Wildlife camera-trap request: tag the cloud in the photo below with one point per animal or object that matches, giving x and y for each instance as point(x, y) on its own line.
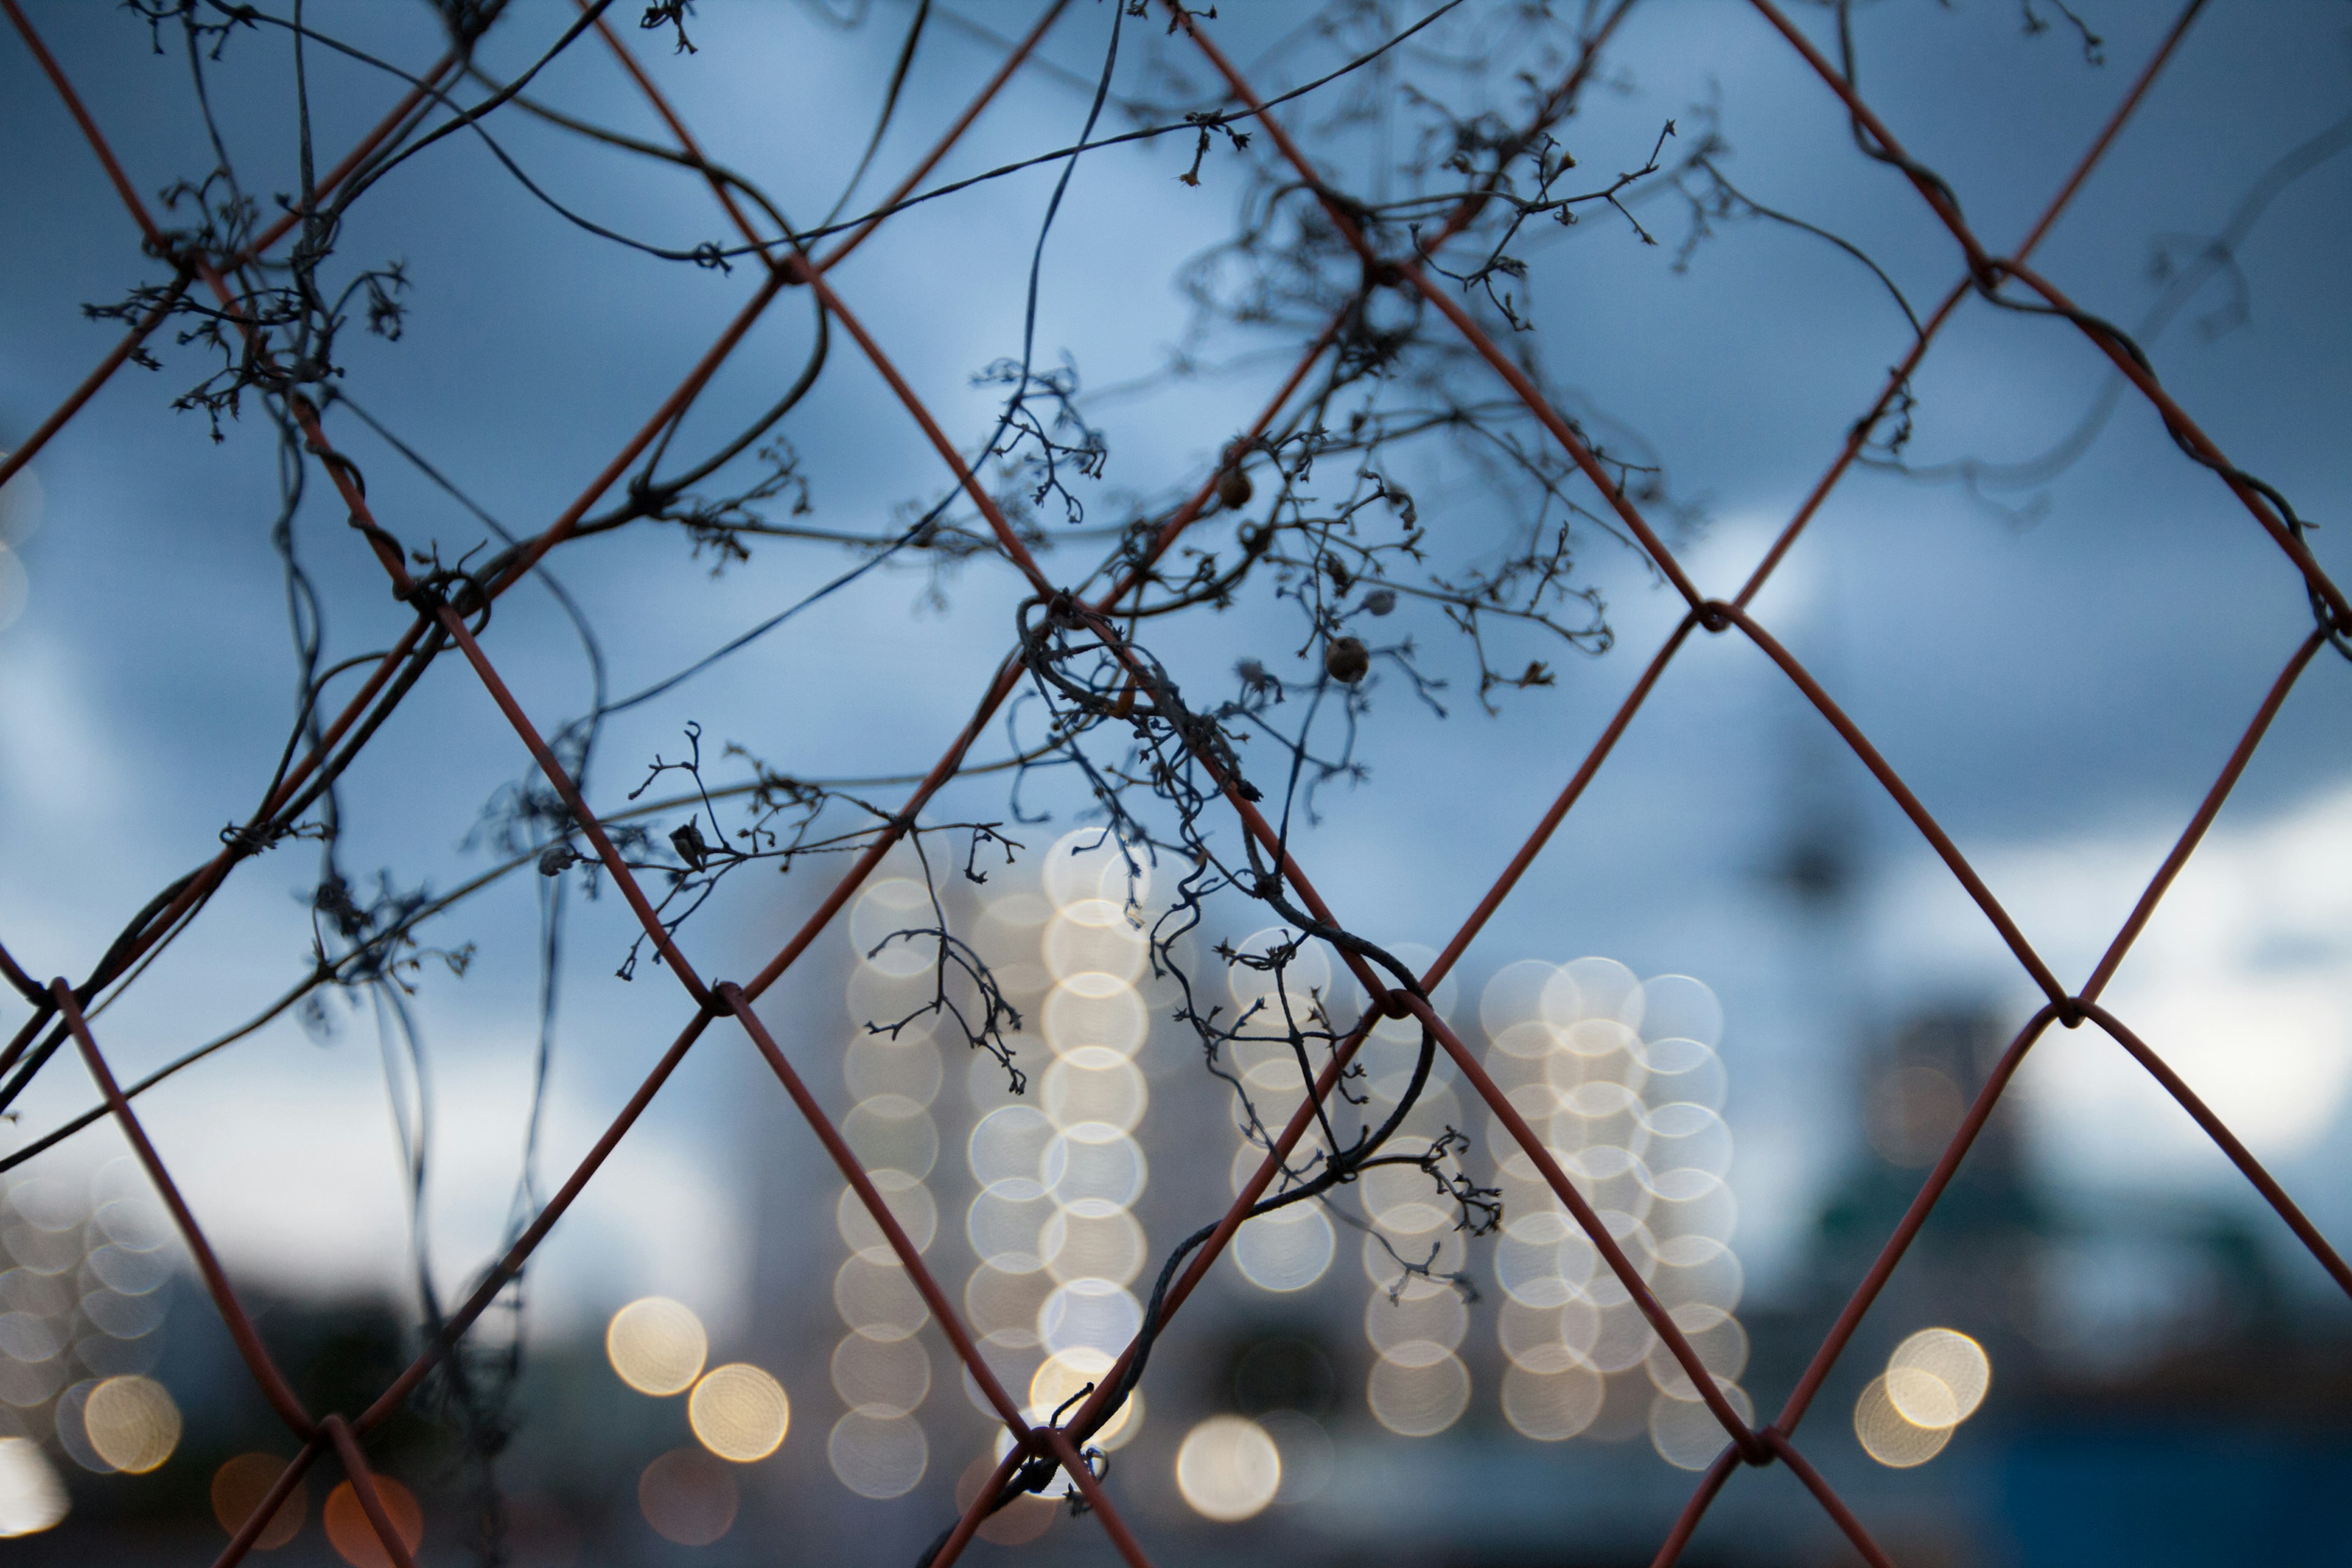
point(2241, 982)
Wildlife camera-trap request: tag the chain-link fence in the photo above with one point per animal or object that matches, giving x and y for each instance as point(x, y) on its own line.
point(1178, 802)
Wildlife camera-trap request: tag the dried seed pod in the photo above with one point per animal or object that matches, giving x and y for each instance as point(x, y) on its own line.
point(1234, 488)
point(1380, 601)
point(1347, 660)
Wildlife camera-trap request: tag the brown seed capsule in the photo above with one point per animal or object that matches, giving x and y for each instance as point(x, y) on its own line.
point(1347, 660)
point(1234, 488)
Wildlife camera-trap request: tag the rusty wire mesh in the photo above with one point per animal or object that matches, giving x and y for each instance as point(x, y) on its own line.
point(449, 606)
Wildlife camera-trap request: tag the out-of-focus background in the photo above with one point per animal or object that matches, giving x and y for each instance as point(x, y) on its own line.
point(1749, 999)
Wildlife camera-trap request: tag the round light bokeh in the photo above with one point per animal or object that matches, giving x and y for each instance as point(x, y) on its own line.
point(739, 1412)
point(656, 1345)
point(32, 1496)
point(876, 1298)
point(1887, 1437)
point(1095, 1168)
point(908, 1066)
point(1418, 1401)
point(132, 1423)
point(1306, 971)
point(1018, 1523)
point(1287, 1249)
point(908, 1203)
point(884, 908)
point(1096, 936)
point(1685, 1432)
point(1307, 1459)
point(1718, 1340)
point(1415, 1330)
point(1094, 1083)
point(1006, 1222)
point(1091, 863)
point(878, 1456)
point(881, 1377)
point(353, 1534)
point(892, 1132)
point(1064, 1376)
point(1228, 1469)
point(1093, 1246)
point(242, 1485)
point(1009, 1145)
point(1091, 1008)
point(1089, 1314)
point(1004, 1303)
point(688, 1497)
point(1549, 1340)
point(1552, 1405)
point(1937, 1377)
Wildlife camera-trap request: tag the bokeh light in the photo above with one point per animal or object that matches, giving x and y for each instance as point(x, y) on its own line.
point(908, 1066)
point(1685, 1432)
point(1094, 935)
point(1553, 1404)
point(739, 1411)
point(888, 906)
point(881, 1377)
point(1304, 1448)
point(1594, 988)
point(1094, 1009)
point(1286, 1250)
point(656, 1345)
point(1678, 1006)
point(875, 1297)
point(1007, 1224)
point(689, 1497)
point(1093, 1246)
point(242, 1485)
point(1415, 1329)
point(354, 1537)
point(1887, 1437)
point(880, 1369)
point(1091, 863)
point(1546, 1340)
point(32, 1497)
point(878, 1456)
point(1094, 1084)
point(1228, 1469)
point(1005, 1303)
point(1621, 1077)
point(1418, 1401)
point(1937, 1377)
point(1717, 1338)
point(1018, 1523)
point(1306, 971)
point(1094, 1168)
point(132, 1423)
point(892, 1132)
point(1062, 1377)
point(1009, 1145)
point(1089, 1314)
point(910, 1203)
